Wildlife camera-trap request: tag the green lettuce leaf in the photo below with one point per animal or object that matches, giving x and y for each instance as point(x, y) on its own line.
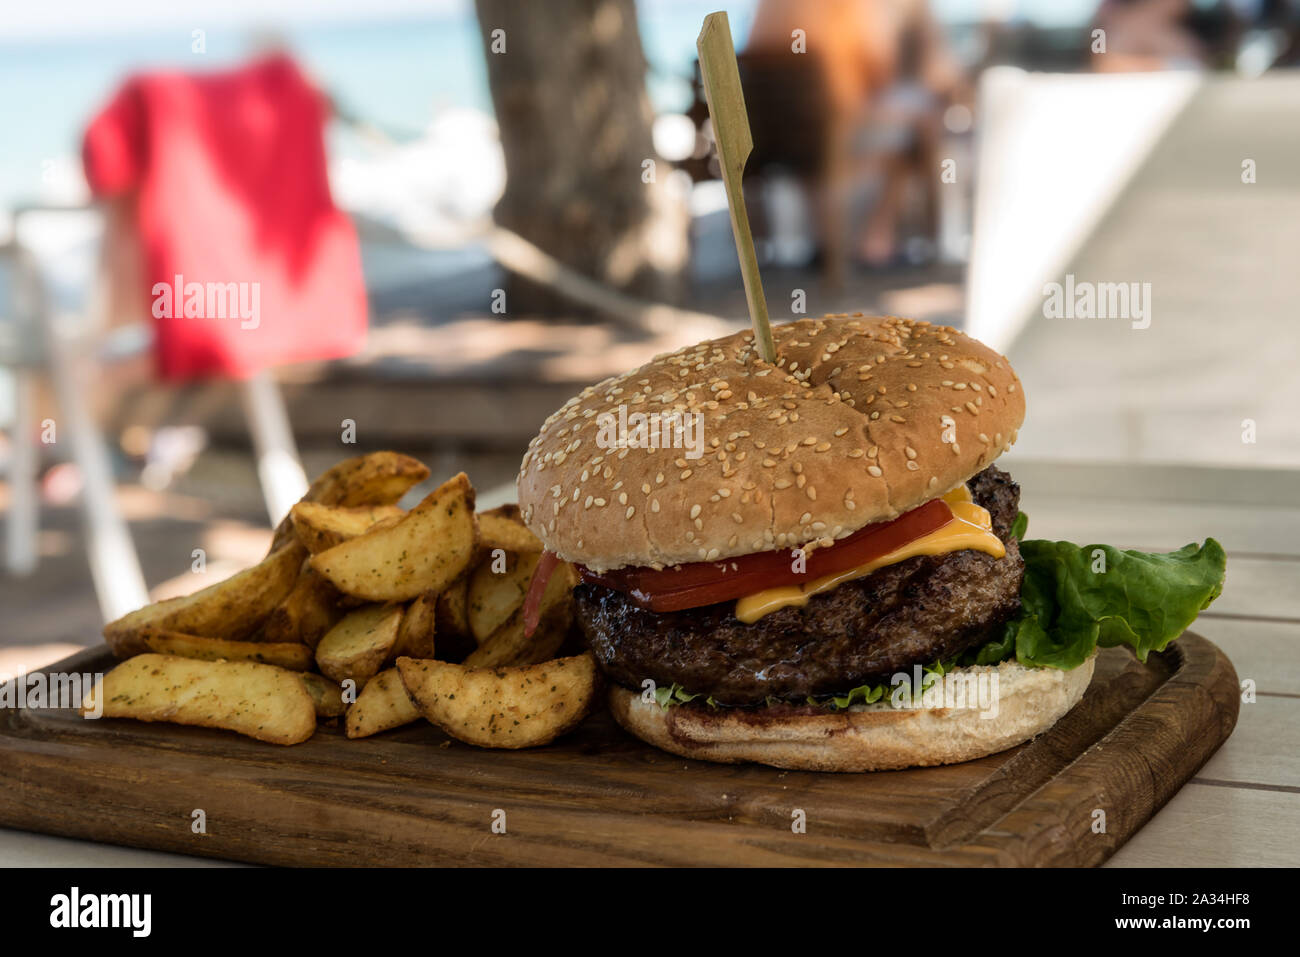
point(1020, 526)
point(1077, 598)
point(676, 694)
point(994, 652)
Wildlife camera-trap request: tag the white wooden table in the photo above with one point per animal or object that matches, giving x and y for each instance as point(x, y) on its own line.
point(1243, 807)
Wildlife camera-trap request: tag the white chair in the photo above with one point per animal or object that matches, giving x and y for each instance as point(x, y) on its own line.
point(43, 334)
point(38, 342)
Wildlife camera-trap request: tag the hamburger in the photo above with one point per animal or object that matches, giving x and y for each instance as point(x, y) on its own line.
point(779, 561)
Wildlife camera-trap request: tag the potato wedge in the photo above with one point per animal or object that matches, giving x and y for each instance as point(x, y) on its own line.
point(382, 704)
point(320, 527)
point(325, 695)
point(358, 646)
point(503, 707)
point(260, 701)
point(292, 656)
point(307, 612)
point(502, 527)
point(496, 589)
point(233, 609)
point(415, 636)
point(380, 478)
point(425, 551)
point(508, 645)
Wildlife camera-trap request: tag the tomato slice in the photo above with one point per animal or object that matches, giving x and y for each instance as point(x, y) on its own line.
point(546, 566)
point(706, 583)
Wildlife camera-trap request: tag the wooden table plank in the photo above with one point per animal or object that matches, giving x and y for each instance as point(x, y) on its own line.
point(1263, 749)
point(1208, 826)
point(1139, 524)
point(1156, 484)
point(1268, 652)
point(1260, 588)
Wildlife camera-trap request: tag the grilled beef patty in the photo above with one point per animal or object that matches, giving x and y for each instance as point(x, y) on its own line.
point(914, 612)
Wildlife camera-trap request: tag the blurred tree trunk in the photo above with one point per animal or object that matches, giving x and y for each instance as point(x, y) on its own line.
point(575, 120)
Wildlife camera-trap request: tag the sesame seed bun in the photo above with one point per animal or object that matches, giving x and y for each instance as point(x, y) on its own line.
point(860, 419)
point(875, 737)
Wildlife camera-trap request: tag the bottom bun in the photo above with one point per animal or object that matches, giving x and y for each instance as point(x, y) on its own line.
point(874, 737)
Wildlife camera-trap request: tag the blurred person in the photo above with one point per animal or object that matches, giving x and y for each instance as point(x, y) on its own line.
point(884, 75)
point(1145, 35)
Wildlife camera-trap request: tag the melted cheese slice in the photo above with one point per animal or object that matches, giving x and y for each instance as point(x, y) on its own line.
point(970, 528)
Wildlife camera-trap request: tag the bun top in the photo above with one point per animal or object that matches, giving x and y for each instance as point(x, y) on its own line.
point(709, 452)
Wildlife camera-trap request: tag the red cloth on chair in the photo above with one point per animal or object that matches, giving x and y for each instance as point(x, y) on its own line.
point(229, 170)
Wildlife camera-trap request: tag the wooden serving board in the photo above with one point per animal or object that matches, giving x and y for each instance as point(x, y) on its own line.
point(599, 797)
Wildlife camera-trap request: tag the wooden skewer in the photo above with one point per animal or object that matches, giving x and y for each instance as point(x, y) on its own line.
point(721, 76)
